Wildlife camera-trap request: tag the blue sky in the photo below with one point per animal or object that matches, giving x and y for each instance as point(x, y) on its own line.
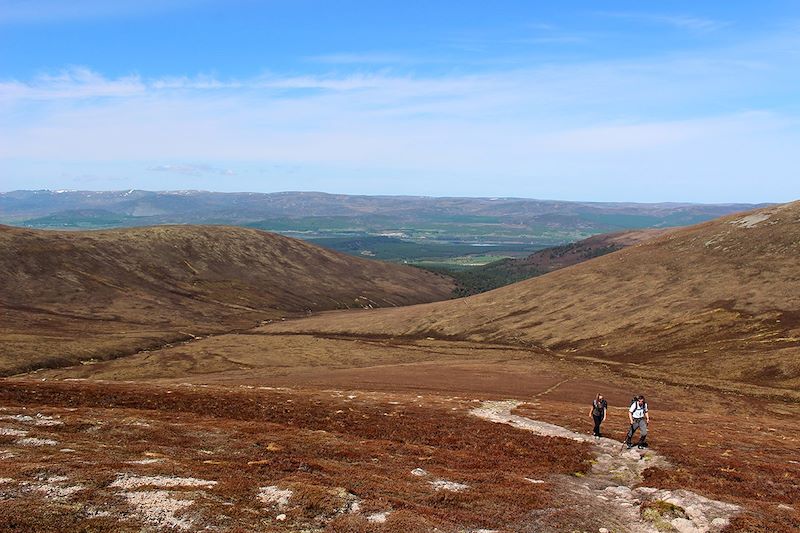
point(612, 101)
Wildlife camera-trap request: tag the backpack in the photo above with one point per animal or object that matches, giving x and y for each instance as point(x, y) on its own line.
point(635, 402)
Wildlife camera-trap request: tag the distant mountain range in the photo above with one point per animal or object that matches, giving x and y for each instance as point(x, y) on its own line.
point(314, 214)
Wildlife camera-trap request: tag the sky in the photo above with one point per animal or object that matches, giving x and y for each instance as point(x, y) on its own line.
point(573, 100)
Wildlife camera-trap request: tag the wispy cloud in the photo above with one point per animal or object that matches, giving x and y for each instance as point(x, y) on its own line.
point(71, 83)
point(192, 169)
point(695, 24)
point(683, 22)
point(556, 39)
point(714, 119)
point(371, 58)
point(546, 33)
point(77, 83)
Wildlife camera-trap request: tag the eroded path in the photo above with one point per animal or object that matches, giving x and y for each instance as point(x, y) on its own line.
point(611, 488)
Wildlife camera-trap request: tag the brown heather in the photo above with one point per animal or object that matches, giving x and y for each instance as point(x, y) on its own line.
point(343, 404)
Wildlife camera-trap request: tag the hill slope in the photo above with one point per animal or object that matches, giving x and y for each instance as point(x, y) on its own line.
point(480, 279)
point(715, 301)
point(577, 252)
point(65, 295)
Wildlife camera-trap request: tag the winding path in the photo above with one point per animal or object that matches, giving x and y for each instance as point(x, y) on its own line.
point(611, 484)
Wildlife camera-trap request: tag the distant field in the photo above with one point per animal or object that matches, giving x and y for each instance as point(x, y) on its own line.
point(424, 228)
point(471, 265)
point(461, 263)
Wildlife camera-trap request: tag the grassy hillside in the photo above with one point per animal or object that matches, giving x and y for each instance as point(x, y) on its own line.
point(355, 403)
point(478, 279)
point(719, 301)
point(71, 295)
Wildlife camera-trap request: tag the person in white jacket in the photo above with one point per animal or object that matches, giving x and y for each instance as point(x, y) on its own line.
point(639, 417)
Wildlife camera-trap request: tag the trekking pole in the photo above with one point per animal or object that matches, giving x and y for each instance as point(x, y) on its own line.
point(629, 435)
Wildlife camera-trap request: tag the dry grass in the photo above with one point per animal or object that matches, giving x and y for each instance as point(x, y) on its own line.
point(309, 360)
point(714, 304)
point(567, 255)
point(327, 448)
point(68, 296)
point(646, 319)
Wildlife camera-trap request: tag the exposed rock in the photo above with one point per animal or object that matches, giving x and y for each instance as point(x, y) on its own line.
point(144, 461)
point(378, 518)
point(452, 486)
point(684, 525)
point(158, 508)
point(33, 441)
point(275, 495)
point(38, 420)
point(613, 475)
point(620, 491)
point(131, 481)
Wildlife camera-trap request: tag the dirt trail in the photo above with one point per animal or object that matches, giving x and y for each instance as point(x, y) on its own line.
point(610, 489)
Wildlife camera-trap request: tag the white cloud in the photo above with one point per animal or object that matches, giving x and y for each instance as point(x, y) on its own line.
point(70, 84)
point(695, 24)
point(720, 118)
point(192, 169)
point(689, 23)
point(369, 58)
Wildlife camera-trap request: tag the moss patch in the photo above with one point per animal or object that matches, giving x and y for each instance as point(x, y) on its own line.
point(661, 512)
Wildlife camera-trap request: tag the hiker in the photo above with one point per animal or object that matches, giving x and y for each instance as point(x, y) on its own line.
point(639, 417)
point(598, 413)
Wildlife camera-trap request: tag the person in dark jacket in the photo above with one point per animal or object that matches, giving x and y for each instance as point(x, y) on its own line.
point(598, 413)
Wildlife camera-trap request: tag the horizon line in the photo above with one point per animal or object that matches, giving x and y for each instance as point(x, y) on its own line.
point(206, 191)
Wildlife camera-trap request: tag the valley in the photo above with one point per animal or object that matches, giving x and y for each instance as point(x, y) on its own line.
point(450, 235)
point(289, 417)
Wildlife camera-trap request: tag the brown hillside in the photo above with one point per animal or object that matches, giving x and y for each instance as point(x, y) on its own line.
point(70, 295)
point(714, 303)
point(571, 254)
point(507, 271)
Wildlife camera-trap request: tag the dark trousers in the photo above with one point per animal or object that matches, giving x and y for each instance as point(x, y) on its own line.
point(598, 419)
